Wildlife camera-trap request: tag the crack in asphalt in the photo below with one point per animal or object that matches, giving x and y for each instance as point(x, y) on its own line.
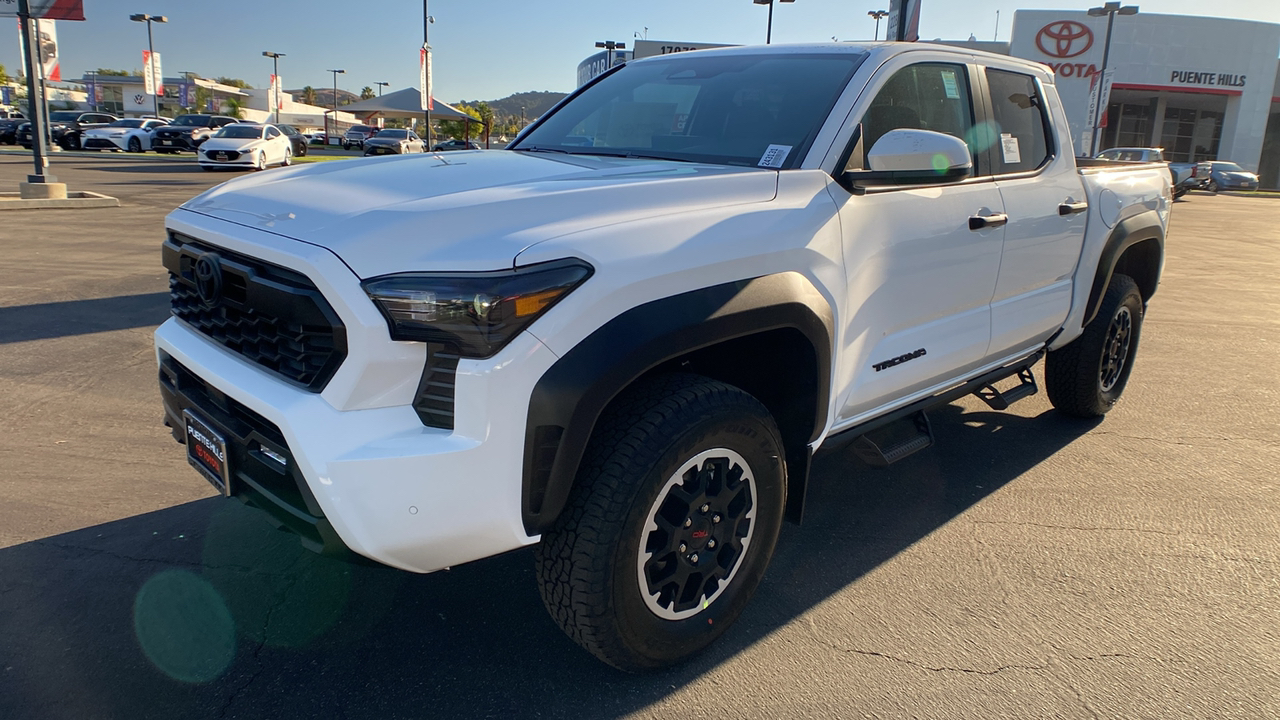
point(944, 668)
point(291, 581)
point(1180, 438)
point(1074, 527)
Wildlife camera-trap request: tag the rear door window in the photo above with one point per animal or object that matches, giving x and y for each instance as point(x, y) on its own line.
point(1022, 141)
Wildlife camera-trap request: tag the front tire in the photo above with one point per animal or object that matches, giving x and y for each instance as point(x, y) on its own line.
point(670, 526)
point(1212, 186)
point(262, 161)
point(135, 145)
point(1086, 377)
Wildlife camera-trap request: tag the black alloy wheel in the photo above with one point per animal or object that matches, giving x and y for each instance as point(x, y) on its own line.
point(1087, 376)
point(670, 525)
point(1115, 349)
point(135, 145)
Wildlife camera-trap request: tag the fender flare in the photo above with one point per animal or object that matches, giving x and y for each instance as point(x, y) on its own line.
point(1127, 233)
point(569, 398)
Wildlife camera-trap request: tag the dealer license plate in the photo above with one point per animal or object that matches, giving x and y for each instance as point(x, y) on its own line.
point(166, 142)
point(207, 452)
point(220, 156)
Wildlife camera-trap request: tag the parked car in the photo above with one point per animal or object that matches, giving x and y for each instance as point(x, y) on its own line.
point(1183, 175)
point(356, 135)
point(130, 134)
point(1229, 176)
point(456, 145)
point(394, 141)
point(66, 127)
point(629, 365)
point(246, 145)
point(296, 139)
point(9, 128)
point(188, 132)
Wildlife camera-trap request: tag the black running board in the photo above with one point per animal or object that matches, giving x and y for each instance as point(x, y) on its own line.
point(884, 446)
point(1002, 399)
point(986, 380)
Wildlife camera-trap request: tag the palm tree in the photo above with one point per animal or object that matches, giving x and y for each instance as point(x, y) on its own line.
point(309, 95)
point(366, 92)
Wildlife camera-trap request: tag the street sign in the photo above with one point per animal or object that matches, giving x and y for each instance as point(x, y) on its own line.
point(47, 9)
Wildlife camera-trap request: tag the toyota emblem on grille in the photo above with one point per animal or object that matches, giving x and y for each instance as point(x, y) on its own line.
point(209, 279)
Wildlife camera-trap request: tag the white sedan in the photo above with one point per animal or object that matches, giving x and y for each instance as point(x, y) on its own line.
point(131, 134)
point(246, 145)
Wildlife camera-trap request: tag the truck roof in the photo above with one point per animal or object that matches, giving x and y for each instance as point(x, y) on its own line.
point(879, 52)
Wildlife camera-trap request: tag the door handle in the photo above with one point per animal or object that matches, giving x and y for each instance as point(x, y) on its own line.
point(1071, 208)
point(980, 222)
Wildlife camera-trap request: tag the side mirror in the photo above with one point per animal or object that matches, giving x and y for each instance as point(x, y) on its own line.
point(913, 157)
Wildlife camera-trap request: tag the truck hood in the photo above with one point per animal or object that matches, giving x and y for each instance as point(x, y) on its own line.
point(471, 210)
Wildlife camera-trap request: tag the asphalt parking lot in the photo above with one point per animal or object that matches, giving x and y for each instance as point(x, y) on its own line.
point(1028, 566)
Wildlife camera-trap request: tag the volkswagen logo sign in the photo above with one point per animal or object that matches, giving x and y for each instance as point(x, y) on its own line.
point(209, 279)
point(1064, 39)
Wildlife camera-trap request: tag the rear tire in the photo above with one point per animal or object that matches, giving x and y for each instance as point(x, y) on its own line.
point(1212, 186)
point(1086, 377)
point(670, 526)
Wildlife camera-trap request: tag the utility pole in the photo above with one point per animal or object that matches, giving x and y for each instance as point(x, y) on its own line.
point(426, 46)
point(877, 15)
point(336, 73)
point(768, 34)
point(380, 86)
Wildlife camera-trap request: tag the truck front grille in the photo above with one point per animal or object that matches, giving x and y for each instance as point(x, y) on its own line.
point(272, 316)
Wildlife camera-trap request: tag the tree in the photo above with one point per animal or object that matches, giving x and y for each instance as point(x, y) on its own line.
point(309, 95)
point(234, 82)
point(366, 92)
point(457, 128)
point(4, 76)
point(117, 73)
point(235, 110)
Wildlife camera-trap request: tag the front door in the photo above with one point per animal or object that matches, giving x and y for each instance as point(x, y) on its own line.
point(920, 280)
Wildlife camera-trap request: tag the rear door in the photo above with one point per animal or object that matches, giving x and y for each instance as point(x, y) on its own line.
point(1045, 201)
point(919, 279)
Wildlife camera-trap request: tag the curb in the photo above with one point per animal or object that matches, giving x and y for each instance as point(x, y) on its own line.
point(75, 200)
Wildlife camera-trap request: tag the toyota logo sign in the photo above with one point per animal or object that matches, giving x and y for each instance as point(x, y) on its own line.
point(1064, 39)
point(208, 272)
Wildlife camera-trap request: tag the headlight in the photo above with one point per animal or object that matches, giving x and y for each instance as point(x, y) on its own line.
point(117, 134)
point(478, 312)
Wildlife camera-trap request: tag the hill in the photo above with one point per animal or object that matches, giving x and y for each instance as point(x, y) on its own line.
point(534, 104)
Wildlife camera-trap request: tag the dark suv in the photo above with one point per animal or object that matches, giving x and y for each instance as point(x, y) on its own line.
point(65, 127)
point(188, 132)
point(9, 127)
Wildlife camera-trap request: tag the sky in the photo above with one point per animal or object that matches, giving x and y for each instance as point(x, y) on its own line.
point(488, 49)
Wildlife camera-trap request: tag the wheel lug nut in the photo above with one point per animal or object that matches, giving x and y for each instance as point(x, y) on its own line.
point(711, 543)
point(683, 547)
point(715, 518)
point(705, 507)
point(694, 558)
point(688, 522)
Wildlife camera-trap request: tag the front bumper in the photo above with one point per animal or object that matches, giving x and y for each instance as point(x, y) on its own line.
point(363, 473)
point(182, 142)
point(382, 150)
point(100, 143)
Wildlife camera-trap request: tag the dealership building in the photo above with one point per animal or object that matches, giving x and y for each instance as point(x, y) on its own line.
point(1201, 88)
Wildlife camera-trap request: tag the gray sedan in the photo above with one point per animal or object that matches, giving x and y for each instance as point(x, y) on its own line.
point(394, 142)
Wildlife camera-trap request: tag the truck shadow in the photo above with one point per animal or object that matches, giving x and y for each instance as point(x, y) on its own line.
point(203, 610)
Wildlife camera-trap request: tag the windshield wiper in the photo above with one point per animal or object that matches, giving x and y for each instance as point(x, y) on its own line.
point(634, 156)
point(543, 149)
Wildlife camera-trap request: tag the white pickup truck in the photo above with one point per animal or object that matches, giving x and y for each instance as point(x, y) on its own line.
point(624, 338)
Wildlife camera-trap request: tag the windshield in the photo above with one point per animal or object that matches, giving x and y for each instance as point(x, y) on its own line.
point(1227, 167)
point(193, 120)
point(749, 110)
point(127, 123)
point(63, 116)
point(396, 134)
point(243, 132)
point(362, 129)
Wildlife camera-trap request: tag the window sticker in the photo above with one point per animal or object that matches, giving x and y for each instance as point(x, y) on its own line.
point(1009, 147)
point(949, 84)
point(775, 156)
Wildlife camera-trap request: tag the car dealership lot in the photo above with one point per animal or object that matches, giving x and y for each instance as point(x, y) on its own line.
point(1029, 566)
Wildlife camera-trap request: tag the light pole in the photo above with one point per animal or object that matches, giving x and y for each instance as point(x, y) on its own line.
point(611, 46)
point(1110, 9)
point(275, 69)
point(336, 73)
point(427, 20)
point(768, 34)
point(380, 86)
point(878, 15)
point(148, 19)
